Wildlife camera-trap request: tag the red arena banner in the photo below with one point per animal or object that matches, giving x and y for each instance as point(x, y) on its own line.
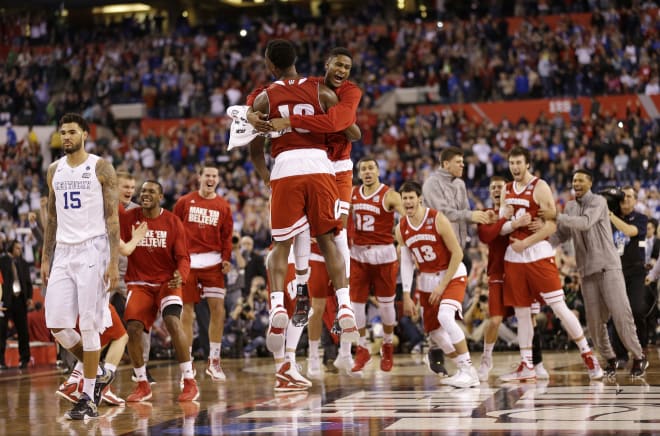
point(532, 109)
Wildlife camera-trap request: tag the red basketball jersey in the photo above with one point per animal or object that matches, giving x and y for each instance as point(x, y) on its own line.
point(372, 222)
point(426, 244)
point(300, 97)
point(522, 202)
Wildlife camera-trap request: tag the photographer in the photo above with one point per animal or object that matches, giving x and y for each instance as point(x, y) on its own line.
point(585, 221)
point(629, 236)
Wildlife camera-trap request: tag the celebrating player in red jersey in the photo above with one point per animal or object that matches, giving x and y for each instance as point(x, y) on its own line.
point(208, 224)
point(427, 239)
point(157, 269)
point(304, 192)
point(530, 272)
point(374, 263)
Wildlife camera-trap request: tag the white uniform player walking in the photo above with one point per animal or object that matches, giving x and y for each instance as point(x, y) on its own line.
point(81, 243)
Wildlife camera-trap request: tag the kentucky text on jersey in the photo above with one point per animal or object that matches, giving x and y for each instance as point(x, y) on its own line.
point(72, 184)
point(367, 207)
point(416, 238)
point(154, 239)
point(203, 216)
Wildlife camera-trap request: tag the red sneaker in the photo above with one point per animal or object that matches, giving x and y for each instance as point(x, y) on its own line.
point(362, 357)
point(190, 391)
point(69, 391)
point(142, 392)
point(386, 357)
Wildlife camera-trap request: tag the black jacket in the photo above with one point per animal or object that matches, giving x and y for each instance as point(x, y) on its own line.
point(23, 270)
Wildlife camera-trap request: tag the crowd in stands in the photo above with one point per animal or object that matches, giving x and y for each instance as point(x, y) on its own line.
point(193, 72)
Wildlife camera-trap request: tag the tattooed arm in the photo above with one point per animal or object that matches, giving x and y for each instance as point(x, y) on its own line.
point(50, 229)
point(106, 175)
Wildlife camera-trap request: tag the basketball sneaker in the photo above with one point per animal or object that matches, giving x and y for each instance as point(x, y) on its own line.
point(85, 408)
point(362, 357)
point(346, 319)
point(300, 315)
point(541, 372)
point(522, 373)
point(465, 377)
point(610, 369)
point(215, 371)
point(102, 384)
point(639, 366)
point(291, 374)
point(436, 362)
point(142, 392)
point(181, 384)
point(345, 364)
point(190, 391)
point(278, 322)
point(282, 385)
point(111, 398)
point(593, 367)
point(70, 391)
point(314, 368)
point(386, 357)
point(485, 367)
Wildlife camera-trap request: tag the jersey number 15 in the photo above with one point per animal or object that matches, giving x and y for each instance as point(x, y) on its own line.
point(72, 200)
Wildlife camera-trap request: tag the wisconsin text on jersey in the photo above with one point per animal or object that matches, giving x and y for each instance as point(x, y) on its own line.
point(203, 216)
point(367, 207)
point(422, 237)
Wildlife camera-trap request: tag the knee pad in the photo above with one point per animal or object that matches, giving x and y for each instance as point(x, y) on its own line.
point(568, 319)
point(360, 314)
point(447, 318)
point(91, 340)
point(386, 310)
point(67, 338)
point(440, 338)
point(172, 309)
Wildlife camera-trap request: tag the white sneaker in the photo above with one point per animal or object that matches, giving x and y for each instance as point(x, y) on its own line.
point(278, 320)
point(349, 330)
point(314, 368)
point(484, 368)
point(465, 377)
point(345, 364)
point(522, 373)
point(215, 370)
point(289, 372)
point(593, 367)
point(541, 372)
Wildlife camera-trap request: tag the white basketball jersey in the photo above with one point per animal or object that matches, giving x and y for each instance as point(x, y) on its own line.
point(79, 201)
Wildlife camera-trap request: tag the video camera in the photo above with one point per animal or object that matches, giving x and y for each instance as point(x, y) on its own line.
point(613, 195)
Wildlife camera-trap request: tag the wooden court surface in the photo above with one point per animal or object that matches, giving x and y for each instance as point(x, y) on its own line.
point(408, 400)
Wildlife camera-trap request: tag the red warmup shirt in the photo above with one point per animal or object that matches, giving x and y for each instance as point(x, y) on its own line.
point(490, 234)
point(207, 222)
point(162, 251)
point(338, 118)
point(426, 244)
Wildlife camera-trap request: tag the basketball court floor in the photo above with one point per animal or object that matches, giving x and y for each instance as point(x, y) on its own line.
point(407, 401)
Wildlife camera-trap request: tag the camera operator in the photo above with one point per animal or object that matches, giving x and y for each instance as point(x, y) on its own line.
point(629, 236)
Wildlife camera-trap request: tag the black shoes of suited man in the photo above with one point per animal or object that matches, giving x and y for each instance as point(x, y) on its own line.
point(23, 365)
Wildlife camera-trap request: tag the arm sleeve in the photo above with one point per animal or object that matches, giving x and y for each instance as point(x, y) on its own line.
point(338, 118)
point(226, 230)
point(584, 221)
point(407, 270)
point(181, 250)
point(489, 232)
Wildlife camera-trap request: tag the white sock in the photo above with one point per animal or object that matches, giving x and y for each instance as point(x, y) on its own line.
point(186, 369)
point(488, 350)
point(362, 342)
point(344, 349)
point(214, 352)
point(110, 367)
point(76, 374)
point(141, 373)
point(343, 297)
point(388, 338)
point(314, 349)
point(276, 299)
point(88, 387)
point(583, 345)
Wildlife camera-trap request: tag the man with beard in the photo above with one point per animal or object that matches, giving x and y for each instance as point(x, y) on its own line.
point(83, 222)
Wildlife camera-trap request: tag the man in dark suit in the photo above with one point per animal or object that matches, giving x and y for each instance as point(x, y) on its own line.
point(16, 297)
